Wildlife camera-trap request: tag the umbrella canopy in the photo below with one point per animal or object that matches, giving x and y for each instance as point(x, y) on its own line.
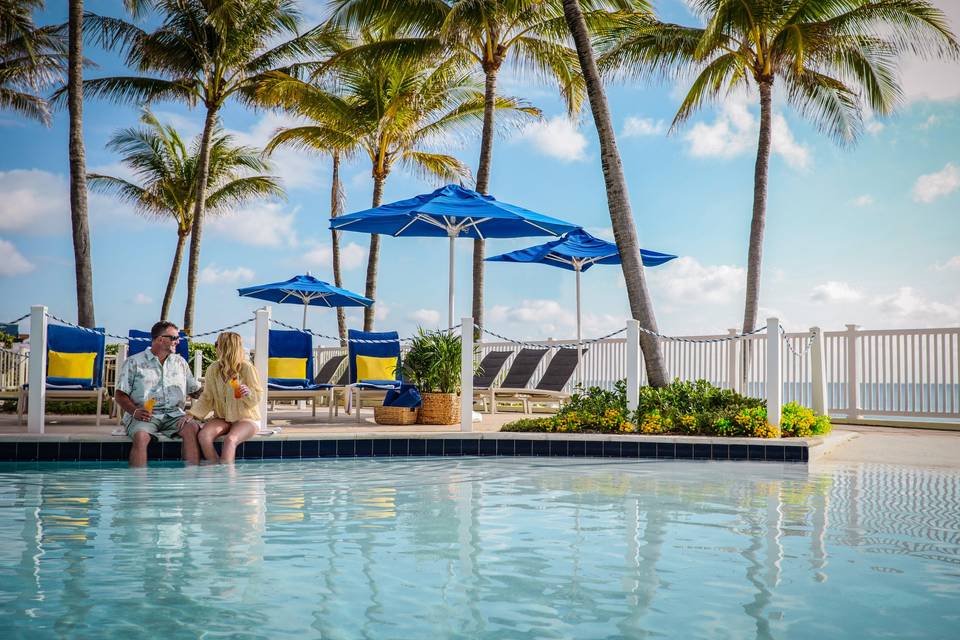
point(454, 212)
point(578, 251)
point(306, 290)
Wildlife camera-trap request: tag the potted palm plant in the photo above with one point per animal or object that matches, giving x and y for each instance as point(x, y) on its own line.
point(433, 364)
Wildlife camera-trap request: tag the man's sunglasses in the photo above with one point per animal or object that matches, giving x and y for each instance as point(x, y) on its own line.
point(171, 338)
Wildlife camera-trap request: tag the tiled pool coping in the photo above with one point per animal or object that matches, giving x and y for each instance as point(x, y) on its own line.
point(76, 448)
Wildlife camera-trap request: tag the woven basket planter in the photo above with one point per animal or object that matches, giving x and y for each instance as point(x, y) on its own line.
point(439, 408)
point(395, 415)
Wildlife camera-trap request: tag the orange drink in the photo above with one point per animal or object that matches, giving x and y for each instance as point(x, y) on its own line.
point(148, 405)
point(236, 388)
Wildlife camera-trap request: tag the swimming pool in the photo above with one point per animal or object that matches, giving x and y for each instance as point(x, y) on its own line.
point(479, 548)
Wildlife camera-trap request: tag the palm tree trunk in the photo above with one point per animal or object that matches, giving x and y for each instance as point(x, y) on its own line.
point(78, 169)
point(755, 252)
point(483, 183)
point(373, 257)
point(618, 202)
point(174, 274)
point(196, 232)
point(336, 208)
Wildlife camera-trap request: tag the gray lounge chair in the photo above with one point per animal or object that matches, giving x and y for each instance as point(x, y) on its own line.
point(490, 368)
point(551, 384)
point(517, 378)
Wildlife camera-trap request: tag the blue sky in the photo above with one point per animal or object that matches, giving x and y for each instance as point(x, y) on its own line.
point(868, 235)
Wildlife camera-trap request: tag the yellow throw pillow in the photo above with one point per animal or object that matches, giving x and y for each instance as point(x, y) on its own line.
point(78, 366)
point(373, 368)
point(287, 368)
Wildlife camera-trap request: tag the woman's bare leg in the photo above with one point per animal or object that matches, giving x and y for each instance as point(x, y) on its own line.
point(210, 432)
point(239, 431)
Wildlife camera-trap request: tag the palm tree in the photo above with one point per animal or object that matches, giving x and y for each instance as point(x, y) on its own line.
point(31, 58)
point(523, 33)
point(833, 57)
point(618, 200)
point(166, 169)
point(394, 106)
point(205, 51)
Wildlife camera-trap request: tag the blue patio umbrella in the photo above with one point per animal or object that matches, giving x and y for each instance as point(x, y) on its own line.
point(306, 290)
point(578, 251)
point(453, 212)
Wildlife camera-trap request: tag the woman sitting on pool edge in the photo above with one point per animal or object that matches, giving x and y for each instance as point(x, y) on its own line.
point(232, 391)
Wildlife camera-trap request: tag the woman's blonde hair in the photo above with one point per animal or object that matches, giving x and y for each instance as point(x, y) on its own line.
point(230, 354)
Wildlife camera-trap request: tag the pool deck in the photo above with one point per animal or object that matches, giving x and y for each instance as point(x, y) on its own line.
point(847, 444)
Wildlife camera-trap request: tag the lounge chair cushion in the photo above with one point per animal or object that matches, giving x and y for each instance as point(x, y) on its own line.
point(71, 366)
point(287, 368)
point(375, 368)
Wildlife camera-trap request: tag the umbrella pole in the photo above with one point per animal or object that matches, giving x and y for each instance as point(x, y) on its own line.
point(450, 286)
point(576, 268)
point(305, 305)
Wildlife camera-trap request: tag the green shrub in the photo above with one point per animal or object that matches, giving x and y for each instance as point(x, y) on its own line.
point(685, 408)
point(208, 350)
point(797, 421)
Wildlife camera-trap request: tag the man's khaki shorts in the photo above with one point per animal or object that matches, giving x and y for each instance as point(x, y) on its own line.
point(165, 425)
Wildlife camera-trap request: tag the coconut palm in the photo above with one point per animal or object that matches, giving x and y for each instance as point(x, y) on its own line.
point(31, 58)
point(618, 200)
point(529, 35)
point(166, 169)
point(395, 107)
point(834, 59)
point(204, 51)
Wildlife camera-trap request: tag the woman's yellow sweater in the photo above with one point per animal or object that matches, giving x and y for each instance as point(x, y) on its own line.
point(217, 396)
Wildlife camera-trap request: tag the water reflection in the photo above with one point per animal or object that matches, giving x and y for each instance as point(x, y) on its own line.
point(479, 548)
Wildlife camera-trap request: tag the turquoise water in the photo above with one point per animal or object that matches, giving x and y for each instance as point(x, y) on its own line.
point(479, 548)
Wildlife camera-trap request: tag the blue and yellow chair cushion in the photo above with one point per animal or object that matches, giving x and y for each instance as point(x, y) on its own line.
point(374, 364)
point(290, 360)
point(75, 357)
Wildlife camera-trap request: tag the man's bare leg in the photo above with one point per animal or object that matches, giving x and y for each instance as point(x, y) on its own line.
point(138, 451)
point(191, 448)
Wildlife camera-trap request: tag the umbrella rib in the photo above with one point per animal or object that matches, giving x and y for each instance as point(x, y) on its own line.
point(534, 224)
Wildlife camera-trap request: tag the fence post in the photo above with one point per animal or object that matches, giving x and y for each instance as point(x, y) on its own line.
point(732, 361)
point(197, 364)
point(633, 365)
point(773, 386)
point(466, 374)
point(261, 354)
point(853, 385)
point(37, 395)
point(818, 372)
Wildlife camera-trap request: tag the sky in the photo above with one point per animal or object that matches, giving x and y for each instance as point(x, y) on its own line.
point(867, 235)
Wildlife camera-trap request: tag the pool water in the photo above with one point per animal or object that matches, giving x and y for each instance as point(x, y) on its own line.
point(479, 548)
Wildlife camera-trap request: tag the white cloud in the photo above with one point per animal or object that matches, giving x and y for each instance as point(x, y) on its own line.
point(933, 79)
point(538, 319)
point(929, 123)
point(263, 224)
point(907, 306)
point(212, 274)
point(686, 280)
point(381, 311)
point(428, 318)
point(142, 298)
point(931, 186)
point(871, 124)
point(953, 264)
point(602, 232)
point(352, 255)
point(297, 168)
point(635, 127)
point(834, 291)
point(557, 137)
point(735, 132)
point(13, 262)
point(863, 201)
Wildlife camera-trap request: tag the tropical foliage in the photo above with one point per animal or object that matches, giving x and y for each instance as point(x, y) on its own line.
point(433, 362)
point(835, 59)
point(166, 169)
point(31, 59)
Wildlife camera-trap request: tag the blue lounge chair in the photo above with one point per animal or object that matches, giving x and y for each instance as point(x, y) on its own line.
point(74, 367)
point(290, 369)
point(374, 366)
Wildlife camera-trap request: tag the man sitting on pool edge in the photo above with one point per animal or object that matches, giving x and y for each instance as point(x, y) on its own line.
point(152, 388)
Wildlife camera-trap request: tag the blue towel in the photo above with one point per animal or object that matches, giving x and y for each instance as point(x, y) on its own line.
point(406, 396)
